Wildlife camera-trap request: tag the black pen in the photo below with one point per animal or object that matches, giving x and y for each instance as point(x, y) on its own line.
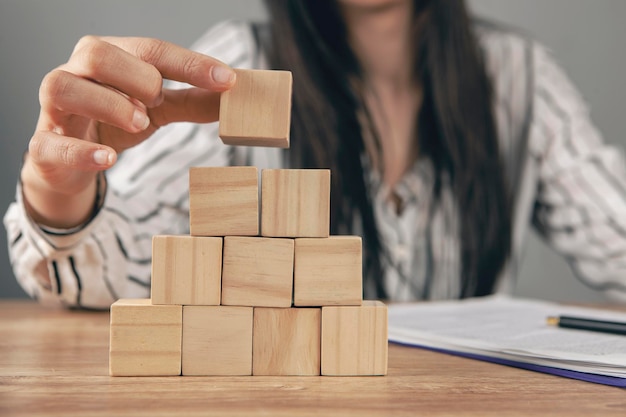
point(578, 323)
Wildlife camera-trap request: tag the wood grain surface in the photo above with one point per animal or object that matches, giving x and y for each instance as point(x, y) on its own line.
point(328, 271)
point(145, 338)
point(354, 339)
point(223, 201)
point(295, 202)
point(257, 271)
point(186, 270)
point(55, 363)
point(256, 111)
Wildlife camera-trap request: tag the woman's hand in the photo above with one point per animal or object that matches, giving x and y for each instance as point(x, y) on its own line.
point(107, 98)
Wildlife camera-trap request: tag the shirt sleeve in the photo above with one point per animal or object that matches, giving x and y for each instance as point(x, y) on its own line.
point(581, 198)
point(147, 193)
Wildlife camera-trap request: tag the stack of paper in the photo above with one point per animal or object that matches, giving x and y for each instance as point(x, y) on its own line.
point(514, 332)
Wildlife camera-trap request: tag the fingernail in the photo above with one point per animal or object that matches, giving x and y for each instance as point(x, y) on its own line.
point(140, 120)
point(223, 75)
point(159, 100)
point(103, 157)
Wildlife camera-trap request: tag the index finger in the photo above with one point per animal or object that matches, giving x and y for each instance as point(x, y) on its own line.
point(177, 63)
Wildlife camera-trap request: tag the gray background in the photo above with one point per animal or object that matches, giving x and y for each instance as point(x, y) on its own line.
point(587, 37)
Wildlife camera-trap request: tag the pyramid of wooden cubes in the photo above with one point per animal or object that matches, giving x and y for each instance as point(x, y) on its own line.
point(258, 287)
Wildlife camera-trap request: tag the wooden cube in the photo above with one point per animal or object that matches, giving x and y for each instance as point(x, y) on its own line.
point(224, 201)
point(145, 339)
point(186, 270)
point(328, 271)
point(256, 111)
point(286, 341)
point(257, 271)
point(217, 340)
point(354, 339)
point(295, 202)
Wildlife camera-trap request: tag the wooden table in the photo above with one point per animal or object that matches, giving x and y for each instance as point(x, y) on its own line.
point(56, 363)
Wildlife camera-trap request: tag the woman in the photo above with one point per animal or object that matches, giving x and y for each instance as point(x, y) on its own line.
point(446, 139)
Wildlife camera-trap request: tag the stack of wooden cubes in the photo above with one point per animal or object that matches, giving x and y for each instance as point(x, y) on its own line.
point(235, 299)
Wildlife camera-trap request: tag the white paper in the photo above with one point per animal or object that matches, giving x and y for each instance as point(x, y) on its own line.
point(512, 329)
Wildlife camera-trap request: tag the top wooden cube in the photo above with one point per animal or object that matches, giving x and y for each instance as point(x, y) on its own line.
point(224, 201)
point(256, 111)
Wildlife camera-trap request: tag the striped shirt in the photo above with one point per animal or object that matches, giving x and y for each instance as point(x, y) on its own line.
point(567, 183)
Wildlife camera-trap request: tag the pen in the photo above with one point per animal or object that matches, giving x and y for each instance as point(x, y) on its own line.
point(579, 323)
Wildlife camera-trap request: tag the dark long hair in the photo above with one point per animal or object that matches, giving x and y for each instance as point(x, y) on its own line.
point(456, 127)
